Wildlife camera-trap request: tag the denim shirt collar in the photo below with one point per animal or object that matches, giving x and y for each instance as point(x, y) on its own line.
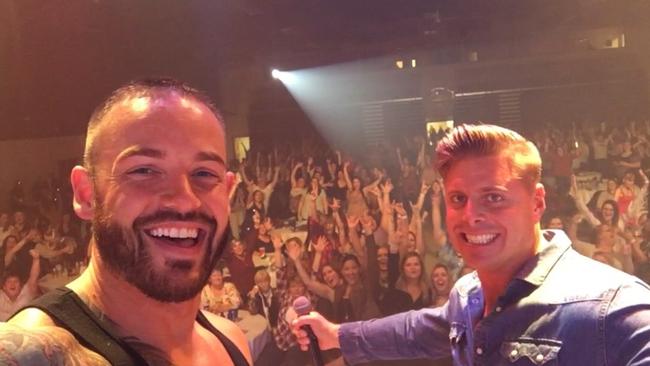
point(553, 243)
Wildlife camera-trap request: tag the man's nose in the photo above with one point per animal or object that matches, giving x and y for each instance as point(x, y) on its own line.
point(474, 213)
point(180, 195)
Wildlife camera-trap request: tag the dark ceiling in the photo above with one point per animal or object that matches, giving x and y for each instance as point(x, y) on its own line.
point(59, 58)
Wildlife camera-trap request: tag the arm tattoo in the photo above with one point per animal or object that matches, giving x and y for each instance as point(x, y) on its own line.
point(45, 345)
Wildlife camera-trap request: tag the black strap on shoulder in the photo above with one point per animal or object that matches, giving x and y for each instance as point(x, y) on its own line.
point(69, 311)
point(235, 354)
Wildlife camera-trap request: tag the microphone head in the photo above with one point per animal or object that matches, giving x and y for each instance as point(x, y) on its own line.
point(302, 305)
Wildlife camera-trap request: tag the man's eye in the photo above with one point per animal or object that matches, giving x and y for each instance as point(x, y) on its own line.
point(204, 173)
point(457, 198)
point(494, 198)
point(142, 171)
point(207, 177)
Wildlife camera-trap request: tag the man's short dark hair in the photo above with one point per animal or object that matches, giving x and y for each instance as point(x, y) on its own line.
point(147, 87)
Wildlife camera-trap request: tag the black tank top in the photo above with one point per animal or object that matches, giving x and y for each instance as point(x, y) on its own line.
point(70, 312)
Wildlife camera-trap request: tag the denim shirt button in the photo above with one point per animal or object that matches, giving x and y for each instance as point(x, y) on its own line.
point(474, 301)
point(539, 357)
point(498, 309)
point(479, 351)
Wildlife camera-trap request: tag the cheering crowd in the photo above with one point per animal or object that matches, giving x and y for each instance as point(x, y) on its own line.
point(363, 237)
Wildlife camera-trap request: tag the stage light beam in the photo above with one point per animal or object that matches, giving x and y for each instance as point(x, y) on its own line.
point(286, 77)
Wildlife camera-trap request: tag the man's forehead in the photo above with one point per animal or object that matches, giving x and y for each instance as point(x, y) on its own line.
point(139, 106)
point(146, 123)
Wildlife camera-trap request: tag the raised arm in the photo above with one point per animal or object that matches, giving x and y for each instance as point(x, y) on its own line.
point(336, 214)
point(399, 158)
point(310, 166)
point(312, 284)
point(439, 234)
point(355, 240)
point(346, 175)
point(269, 171)
point(373, 185)
point(242, 172)
point(580, 204)
point(34, 272)
point(276, 172)
point(293, 174)
point(386, 208)
point(278, 258)
point(11, 253)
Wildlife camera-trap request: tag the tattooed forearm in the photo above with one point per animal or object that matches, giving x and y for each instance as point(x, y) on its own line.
point(46, 345)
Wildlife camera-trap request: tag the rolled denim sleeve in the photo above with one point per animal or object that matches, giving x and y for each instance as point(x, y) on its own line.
point(627, 326)
point(414, 334)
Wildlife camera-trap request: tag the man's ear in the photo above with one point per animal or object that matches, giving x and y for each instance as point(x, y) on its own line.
point(83, 194)
point(540, 201)
point(230, 181)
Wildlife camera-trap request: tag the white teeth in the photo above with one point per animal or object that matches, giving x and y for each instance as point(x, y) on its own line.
point(480, 239)
point(182, 233)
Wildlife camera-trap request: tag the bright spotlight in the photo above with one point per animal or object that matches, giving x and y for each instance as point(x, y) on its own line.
point(286, 77)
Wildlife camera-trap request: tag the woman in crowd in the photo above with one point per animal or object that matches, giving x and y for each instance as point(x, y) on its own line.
point(218, 296)
point(356, 201)
point(625, 193)
point(601, 196)
point(440, 285)
point(607, 214)
point(298, 189)
point(238, 260)
point(352, 297)
point(261, 296)
point(313, 202)
point(412, 281)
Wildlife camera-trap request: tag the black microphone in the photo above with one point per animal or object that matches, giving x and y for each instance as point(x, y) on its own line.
point(302, 306)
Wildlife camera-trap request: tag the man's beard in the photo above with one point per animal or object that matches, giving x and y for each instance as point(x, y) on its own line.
point(127, 255)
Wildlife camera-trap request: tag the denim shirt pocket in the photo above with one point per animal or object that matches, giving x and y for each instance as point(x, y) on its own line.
point(537, 351)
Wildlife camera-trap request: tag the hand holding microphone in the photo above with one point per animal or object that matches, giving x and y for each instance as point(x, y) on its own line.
point(313, 331)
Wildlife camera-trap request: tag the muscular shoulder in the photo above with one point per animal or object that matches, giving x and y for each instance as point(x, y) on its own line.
point(33, 339)
point(232, 331)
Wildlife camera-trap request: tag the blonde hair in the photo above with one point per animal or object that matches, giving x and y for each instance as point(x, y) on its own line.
point(261, 275)
point(490, 140)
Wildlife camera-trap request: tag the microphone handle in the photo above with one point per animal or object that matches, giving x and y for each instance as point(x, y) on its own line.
point(314, 348)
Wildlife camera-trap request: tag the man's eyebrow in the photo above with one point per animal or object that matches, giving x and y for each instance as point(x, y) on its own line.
point(499, 188)
point(210, 156)
point(141, 151)
point(159, 154)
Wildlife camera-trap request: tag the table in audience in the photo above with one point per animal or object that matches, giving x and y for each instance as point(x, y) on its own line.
point(256, 329)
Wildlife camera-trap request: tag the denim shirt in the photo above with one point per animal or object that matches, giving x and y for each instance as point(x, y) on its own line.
point(561, 309)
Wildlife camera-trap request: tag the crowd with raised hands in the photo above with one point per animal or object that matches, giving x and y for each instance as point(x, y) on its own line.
point(597, 175)
point(365, 237)
point(38, 238)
